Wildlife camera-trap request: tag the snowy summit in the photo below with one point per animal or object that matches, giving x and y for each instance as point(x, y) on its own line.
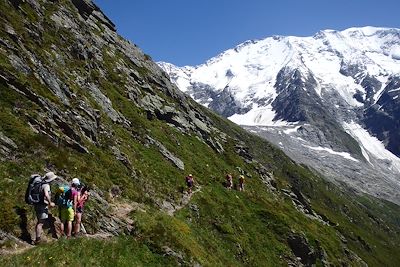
point(249, 71)
point(336, 93)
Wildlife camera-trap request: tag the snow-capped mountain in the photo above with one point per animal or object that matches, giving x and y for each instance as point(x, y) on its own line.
point(330, 100)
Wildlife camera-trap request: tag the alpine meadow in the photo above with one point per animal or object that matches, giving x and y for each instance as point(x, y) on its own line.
point(78, 100)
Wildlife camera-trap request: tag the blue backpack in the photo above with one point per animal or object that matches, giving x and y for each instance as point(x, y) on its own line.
point(64, 197)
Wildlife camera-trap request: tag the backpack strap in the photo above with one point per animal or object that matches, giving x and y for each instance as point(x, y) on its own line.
point(42, 191)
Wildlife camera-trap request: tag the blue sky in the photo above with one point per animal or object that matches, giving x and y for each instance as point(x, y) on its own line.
point(188, 32)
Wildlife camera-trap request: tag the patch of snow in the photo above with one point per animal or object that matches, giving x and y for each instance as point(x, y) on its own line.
point(395, 52)
point(301, 139)
point(367, 30)
point(291, 130)
point(342, 154)
point(258, 116)
point(372, 144)
point(378, 94)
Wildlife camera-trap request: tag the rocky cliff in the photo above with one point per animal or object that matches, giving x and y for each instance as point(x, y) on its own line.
point(79, 100)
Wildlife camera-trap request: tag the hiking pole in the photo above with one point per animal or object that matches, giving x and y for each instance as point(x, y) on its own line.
point(83, 228)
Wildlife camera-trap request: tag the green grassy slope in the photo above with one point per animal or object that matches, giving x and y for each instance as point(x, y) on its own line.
point(217, 227)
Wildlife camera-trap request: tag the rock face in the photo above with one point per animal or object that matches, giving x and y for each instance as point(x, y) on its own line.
point(74, 87)
point(383, 118)
point(341, 88)
point(7, 147)
point(178, 163)
point(79, 118)
point(302, 249)
point(87, 8)
point(77, 99)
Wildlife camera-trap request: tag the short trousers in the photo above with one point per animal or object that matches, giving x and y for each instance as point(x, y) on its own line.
point(79, 209)
point(67, 214)
point(42, 211)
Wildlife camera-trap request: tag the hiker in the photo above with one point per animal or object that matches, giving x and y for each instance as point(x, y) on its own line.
point(189, 182)
point(83, 195)
point(68, 201)
point(229, 181)
point(42, 207)
point(241, 183)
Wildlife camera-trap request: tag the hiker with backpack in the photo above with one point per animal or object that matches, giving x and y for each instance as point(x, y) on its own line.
point(241, 183)
point(38, 194)
point(190, 183)
point(83, 196)
point(67, 201)
point(229, 181)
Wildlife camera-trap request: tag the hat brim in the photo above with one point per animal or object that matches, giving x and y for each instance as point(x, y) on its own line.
point(50, 179)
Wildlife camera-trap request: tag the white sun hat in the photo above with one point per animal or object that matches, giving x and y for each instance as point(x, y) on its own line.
point(76, 181)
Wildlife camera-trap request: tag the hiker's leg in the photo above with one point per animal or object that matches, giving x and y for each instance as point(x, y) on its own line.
point(39, 229)
point(69, 228)
point(62, 228)
point(77, 225)
point(69, 222)
point(63, 219)
point(51, 222)
point(41, 215)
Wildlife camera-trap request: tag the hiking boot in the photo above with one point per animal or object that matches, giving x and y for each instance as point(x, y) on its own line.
point(79, 234)
point(37, 241)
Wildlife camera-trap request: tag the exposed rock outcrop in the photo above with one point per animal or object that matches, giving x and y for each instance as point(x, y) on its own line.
point(167, 154)
point(7, 147)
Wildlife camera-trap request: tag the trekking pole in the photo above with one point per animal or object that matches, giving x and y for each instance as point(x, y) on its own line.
point(83, 228)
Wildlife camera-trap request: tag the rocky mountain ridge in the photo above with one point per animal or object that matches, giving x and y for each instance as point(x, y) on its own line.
point(335, 91)
point(79, 100)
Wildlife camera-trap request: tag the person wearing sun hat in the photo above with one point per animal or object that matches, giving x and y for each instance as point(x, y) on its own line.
point(42, 208)
point(241, 183)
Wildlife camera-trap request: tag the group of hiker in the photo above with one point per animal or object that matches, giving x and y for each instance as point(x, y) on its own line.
point(70, 200)
point(228, 184)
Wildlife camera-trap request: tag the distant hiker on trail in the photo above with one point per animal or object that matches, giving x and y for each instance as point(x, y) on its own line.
point(83, 196)
point(229, 181)
point(189, 182)
point(67, 200)
point(38, 194)
point(241, 183)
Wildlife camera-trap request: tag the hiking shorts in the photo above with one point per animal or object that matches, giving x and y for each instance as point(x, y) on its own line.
point(79, 209)
point(42, 211)
point(67, 214)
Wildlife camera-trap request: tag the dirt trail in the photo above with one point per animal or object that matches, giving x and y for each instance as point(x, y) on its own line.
point(171, 208)
point(120, 210)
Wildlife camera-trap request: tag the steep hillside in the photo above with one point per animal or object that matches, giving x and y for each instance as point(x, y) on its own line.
point(334, 95)
point(77, 99)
